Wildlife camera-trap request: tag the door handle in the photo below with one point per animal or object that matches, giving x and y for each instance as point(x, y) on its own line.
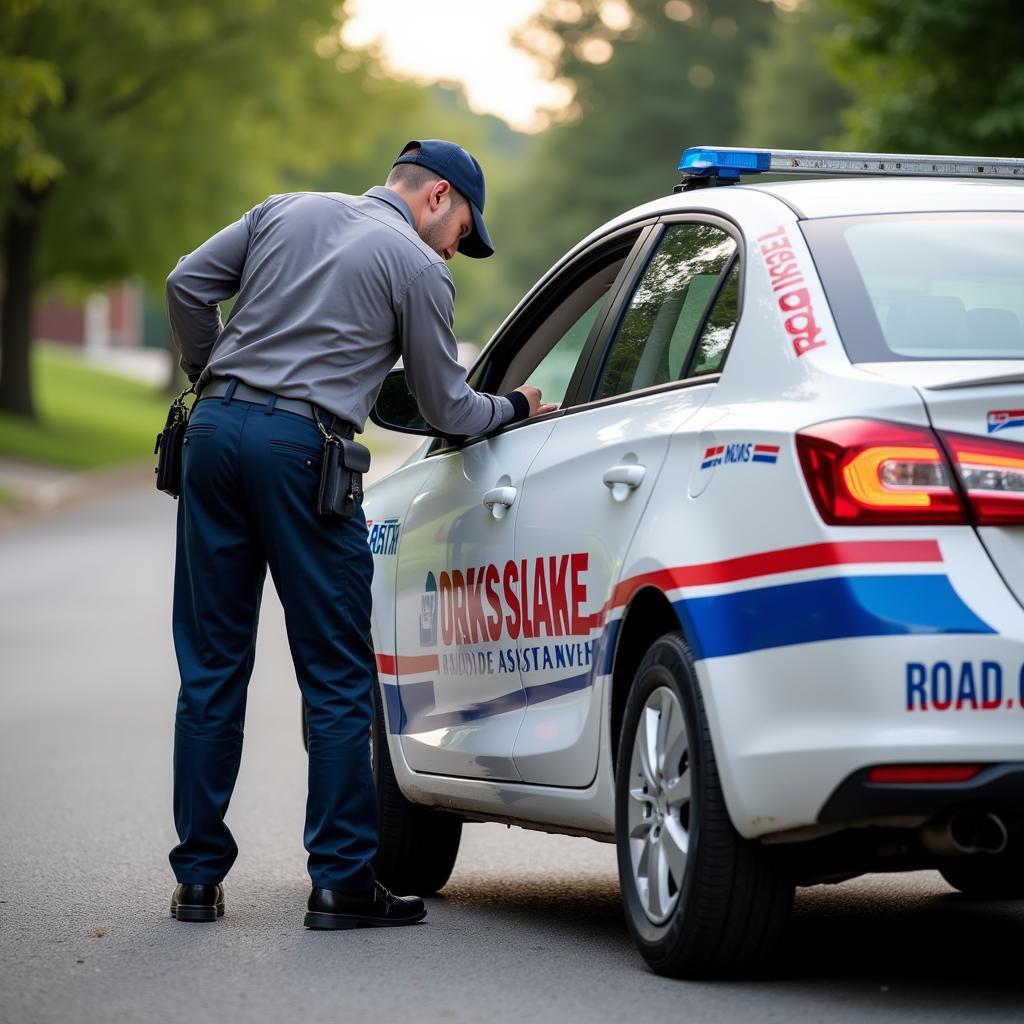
point(499, 500)
point(621, 480)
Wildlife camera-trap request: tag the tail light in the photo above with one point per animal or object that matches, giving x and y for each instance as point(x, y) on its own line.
point(992, 476)
point(868, 472)
point(894, 774)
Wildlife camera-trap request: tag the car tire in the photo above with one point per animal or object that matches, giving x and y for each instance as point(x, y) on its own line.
point(989, 876)
point(700, 900)
point(418, 845)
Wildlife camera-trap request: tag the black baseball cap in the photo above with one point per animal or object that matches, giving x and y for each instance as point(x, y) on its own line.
point(461, 168)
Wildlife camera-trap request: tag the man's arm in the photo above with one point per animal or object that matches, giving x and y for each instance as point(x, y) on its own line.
point(197, 284)
point(437, 381)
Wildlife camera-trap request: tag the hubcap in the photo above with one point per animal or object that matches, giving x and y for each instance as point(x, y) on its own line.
point(659, 810)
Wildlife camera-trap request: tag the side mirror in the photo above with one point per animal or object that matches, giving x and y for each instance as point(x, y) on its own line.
point(396, 409)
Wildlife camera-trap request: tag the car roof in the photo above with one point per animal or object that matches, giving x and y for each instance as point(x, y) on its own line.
point(845, 197)
point(812, 198)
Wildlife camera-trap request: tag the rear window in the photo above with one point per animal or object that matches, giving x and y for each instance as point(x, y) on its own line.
point(924, 285)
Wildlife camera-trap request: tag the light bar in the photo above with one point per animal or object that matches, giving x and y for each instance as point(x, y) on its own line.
point(725, 162)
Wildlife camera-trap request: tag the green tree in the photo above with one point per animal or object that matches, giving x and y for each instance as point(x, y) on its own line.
point(792, 98)
point(934, 76)
point(441, 111)
point(649, 78)
point(131, 129)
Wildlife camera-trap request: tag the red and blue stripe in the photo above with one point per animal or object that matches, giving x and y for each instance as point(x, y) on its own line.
point(740, 621)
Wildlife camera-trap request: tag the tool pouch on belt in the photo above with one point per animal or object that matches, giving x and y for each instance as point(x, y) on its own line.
point(341, 479)
point(168, 446)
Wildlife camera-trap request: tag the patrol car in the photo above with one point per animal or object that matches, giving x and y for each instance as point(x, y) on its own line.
point(749, 603)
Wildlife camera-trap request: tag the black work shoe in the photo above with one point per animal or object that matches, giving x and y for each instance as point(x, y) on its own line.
point(374, 908)
point(197, 902)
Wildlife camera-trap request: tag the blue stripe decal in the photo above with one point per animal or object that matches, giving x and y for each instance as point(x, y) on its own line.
point(736, 623)
point(558, 688)
point(411, 705)
point(830, 609)
point(416, 702)
point(605, 652)
point(393, 702)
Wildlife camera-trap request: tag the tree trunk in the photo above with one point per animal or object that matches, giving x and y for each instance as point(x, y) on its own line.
point(20, 245)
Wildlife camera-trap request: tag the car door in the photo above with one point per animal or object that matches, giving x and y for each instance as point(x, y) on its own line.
point(589, 485)
point(459, 596)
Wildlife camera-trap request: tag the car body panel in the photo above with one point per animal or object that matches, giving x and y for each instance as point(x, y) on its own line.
point(819, 649)
point(458, 717)
point(568, 512)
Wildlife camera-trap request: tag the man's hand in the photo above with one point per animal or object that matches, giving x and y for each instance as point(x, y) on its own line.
point(537, 407)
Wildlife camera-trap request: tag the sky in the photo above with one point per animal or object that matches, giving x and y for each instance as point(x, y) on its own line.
point(465, 41)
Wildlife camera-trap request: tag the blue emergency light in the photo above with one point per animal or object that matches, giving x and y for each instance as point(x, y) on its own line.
point(723, 165)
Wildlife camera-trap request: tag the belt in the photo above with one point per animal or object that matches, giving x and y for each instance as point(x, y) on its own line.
point(219, 386)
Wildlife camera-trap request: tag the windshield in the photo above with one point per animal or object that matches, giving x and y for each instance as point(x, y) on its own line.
point(924, 285)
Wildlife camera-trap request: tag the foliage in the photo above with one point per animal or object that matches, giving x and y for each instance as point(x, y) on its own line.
point(159, 120)
point(441, 112)
point(649, 79)
point(939, 77)
point(91, 418)
point(792, 98)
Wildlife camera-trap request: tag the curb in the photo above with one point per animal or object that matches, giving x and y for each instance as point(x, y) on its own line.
point(55, 491)
point(70, 489)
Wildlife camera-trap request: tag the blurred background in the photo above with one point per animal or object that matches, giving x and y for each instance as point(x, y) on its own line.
point(131, 130)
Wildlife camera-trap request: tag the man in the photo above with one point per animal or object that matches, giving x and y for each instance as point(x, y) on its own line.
point(331, 290)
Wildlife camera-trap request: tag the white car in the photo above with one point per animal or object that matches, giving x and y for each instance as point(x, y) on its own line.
point(749, 604)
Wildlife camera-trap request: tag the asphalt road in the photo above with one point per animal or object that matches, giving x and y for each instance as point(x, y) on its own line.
point(529, 928)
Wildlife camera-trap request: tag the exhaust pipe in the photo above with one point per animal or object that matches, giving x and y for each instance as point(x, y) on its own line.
point(965, 832)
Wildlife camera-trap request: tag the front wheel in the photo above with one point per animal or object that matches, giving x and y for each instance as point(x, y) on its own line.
point(700, 900)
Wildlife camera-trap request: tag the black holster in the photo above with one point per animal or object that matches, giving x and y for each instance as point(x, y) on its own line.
point(168, 447)
point(341, 479)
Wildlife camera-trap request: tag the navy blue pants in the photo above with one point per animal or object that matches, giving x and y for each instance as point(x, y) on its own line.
point(250, 480)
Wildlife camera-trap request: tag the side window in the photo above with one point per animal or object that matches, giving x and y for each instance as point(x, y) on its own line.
point(658, 330)
point(718, 328)
point(545, 349)
point(553, 373)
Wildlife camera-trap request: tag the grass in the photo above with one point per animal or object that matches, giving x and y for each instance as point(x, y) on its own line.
point(88, 418)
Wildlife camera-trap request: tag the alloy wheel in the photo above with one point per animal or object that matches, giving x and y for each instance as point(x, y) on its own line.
point(660, 804)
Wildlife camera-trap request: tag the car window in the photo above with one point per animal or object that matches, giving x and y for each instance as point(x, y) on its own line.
point(544, 346)
point(553, 373)
point(709, 354)
point(657, 331)
point(939, 285)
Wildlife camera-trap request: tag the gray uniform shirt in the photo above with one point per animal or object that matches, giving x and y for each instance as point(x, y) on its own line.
point(332, 289)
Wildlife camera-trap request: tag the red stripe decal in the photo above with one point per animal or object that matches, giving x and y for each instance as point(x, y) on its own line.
point(765, 563)
point(399, 665)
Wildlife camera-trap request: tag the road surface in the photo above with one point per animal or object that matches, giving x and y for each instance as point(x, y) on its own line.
point(528, 929)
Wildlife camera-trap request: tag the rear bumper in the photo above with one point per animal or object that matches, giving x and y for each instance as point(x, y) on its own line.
point(792, 726)
point(996, 787)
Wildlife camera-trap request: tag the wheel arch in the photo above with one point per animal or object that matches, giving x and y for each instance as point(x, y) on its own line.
point(648, 616)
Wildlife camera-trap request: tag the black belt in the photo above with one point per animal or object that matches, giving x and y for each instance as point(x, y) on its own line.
point(218, 387)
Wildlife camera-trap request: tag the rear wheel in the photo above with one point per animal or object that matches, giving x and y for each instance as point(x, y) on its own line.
point(418, 845)
point(700, 900)
point(990, 876)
